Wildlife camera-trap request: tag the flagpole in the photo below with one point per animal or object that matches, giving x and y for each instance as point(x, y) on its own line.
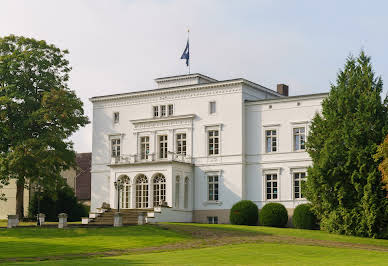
point(188, 39)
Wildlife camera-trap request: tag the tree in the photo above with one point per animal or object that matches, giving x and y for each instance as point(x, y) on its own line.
point(382, 154)
point(38, 113)
point(344, 185)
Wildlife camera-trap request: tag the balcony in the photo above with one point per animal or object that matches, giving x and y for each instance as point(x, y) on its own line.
point(137, 159)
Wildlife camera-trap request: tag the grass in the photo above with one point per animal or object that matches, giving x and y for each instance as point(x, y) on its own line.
point(188, 244)
point(242, 254)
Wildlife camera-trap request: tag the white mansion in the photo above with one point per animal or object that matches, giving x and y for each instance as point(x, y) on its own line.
point(200, 145)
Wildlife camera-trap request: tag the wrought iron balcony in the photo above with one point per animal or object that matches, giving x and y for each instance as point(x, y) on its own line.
point(138, 158)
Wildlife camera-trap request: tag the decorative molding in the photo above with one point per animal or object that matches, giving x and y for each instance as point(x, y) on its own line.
point(167, 122)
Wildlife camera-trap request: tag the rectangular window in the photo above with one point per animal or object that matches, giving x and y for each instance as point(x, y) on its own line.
point(299, 178)
point(271, 186)
point(144, 147)
point(156, 111)
point(181, 143)
point(162, 110)
point(115, 143)
point(214, 142)
point(163, 147)
point(270, 141)
point(212, 219)
point(299, 138)
point(212, 107)
point(212, 181)
point(170, 109)
point(116, 117)
point(186, 191)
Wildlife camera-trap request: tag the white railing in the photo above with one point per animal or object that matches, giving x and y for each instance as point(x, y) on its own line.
point(137, 158)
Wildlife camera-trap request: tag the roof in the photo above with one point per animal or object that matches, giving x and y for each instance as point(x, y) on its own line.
point(288, 98)
point(185, 87)
point(185, 77)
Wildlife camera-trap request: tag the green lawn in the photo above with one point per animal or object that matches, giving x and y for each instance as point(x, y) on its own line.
point(242, 254)
point(188, 244)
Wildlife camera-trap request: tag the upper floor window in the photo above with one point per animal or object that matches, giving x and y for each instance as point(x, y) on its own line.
point(214, 142)
point(181, 143)
point(299, 138)
point(144, 147)
point(270, 141)
point(299, 178)
point(116, 117)
point(170, 109)
point(212, 107)
point(271, 186)
point(163, 146)
point(162, 110)
point(213, 185)
point(115, 143)
point(156, 111)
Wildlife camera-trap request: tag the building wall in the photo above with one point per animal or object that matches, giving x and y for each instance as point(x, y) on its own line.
point(9, 206)
point(282, 115)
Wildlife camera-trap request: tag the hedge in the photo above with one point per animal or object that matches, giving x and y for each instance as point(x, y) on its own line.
point(304, 218)
point(244, 212)
point(273, 214)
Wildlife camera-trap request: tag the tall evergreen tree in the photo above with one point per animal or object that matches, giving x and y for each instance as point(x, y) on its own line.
point(38, 113)
point(344, 184)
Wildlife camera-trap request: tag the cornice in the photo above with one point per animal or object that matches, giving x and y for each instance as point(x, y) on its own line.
point(167, 122)
point(288, 99)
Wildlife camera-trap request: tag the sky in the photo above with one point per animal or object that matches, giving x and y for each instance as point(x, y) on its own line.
point(121, 46)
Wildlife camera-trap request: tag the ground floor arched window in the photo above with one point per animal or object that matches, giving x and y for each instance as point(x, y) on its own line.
point(159, 189)
point(186, 191)
point(142, 191)
point(125, 193)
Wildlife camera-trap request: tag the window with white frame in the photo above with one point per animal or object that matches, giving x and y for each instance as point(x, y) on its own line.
point(125, 193)
point(162, 110)
point(116, 117)
point(212, 107)
point(212, 219)
point(213, 142)
point(144, 147)
point(170, 109)
point(159, 182)
point(271, 185)
point(181, 143)
point(163, 146)
point(177, 193)
point(115, 144)
point(270, 140)
point(186, 191)
point(213, 186)
point(299, 178)
point(156, 111)
point(299, 138)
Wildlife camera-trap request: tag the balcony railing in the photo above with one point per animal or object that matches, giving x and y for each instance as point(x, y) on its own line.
point(137, 158)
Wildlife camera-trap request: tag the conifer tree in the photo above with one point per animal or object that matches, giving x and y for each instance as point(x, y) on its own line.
point(344, 184)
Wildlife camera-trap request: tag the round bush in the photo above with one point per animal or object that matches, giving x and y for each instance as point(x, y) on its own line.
point(244, 212)
point(304, 218)
point(273, 214)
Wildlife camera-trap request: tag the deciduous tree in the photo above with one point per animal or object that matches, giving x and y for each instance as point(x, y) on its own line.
point(38, 113)
point(344, 184)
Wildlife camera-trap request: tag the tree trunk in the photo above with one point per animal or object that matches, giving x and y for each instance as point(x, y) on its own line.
point(20, 199)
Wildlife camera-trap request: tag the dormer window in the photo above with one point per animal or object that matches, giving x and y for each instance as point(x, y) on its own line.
point(156, 111)
point(116, 117)
point(162, 110)
point(170, 109)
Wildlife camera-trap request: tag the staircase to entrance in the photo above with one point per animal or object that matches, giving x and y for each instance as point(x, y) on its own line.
point(130, 216)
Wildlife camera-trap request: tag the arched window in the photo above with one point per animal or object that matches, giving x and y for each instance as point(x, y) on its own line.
point(141, 192)
point(186, 200)
point(177, 184)
point(125, 192)
point(159, 182)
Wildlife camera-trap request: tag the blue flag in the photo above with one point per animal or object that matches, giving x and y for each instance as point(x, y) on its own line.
point(186, 54)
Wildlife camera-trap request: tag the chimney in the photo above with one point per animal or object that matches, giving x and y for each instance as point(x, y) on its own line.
point(282, 89)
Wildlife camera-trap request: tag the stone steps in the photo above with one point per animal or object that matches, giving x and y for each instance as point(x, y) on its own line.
point(130, 217)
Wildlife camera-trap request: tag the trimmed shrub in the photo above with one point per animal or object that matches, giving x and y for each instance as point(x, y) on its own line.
point(273, 214)
point(244, 212)
point(304, 218)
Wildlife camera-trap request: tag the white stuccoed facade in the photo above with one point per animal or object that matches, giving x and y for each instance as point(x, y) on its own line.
point(236, 114)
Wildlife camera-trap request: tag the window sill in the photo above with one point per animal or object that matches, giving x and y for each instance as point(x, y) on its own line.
point(212, 202)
